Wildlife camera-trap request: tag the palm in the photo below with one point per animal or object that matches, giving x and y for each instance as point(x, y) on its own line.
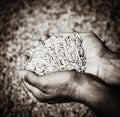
point(94, 50)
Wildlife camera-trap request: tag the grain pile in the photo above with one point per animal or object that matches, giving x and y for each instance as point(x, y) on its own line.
point(23, 22)
point(57, 53)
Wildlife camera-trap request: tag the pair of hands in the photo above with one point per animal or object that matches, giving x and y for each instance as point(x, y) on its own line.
point(69, 86)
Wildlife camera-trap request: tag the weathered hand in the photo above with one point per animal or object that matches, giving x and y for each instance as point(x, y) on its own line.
point(100, 60)
point(52, 88)
point(94, 50)
point(67, 86)
point(58, 87)
point(90, 88)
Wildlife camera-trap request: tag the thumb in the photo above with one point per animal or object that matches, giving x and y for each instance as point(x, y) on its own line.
point(92, 45)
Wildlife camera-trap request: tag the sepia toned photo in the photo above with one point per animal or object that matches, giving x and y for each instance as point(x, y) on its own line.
point(59, 58)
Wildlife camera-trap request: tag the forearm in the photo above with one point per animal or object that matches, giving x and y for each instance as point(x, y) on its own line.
point(109, 70)
point(98, 97)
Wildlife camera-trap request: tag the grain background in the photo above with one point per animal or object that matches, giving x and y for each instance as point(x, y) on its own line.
point(23, 22)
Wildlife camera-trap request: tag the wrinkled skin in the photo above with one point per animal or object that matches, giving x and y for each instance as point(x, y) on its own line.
point(95, 88)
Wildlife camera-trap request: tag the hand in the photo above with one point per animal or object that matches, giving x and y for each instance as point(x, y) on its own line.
point(94, 50)
point(67, 86)
point(59, 87)
point(86, 88)
point(100, 60)
point(52, 88)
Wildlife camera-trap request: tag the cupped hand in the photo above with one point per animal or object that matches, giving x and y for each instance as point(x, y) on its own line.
point(94, 50)
point(102, 67)
point(52, 88)
point(61, 86)
point(100, 60)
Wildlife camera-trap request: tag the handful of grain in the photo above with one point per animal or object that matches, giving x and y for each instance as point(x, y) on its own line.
point(57, 53)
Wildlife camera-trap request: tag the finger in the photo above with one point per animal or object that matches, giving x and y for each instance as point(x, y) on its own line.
point(92, 38)
point(92, 44)
point(38, 94)
point(35, 92)
point(34, 80)
point(89, 35)
point(25, 58)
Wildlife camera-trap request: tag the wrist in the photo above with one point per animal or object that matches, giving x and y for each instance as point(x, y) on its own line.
point(79, 85)
point(96, 95)
point(87, 89)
